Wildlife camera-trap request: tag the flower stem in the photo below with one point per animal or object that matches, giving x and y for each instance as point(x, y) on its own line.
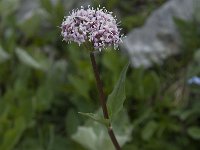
point(103, 100)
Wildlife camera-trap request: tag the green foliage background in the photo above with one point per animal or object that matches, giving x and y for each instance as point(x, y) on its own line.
point(44, 82)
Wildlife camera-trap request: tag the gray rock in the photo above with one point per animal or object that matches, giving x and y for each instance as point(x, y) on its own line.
point(159, 37)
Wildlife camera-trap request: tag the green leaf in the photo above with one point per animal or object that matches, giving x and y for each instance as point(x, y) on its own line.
point(94, 136)
point(194, 132)
point(149, 130)
point(13, 135)
point(96, 117)
point(86, 137)
point(72, 121)
point(80, 86)
point(150, 83)
point(3, 55)
point(27, 59)
point(30, 24)
point(117, 97)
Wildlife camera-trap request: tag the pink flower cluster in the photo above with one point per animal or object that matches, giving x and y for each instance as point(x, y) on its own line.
point(96, 26)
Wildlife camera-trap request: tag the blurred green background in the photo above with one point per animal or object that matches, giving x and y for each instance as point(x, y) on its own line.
point(44, 82)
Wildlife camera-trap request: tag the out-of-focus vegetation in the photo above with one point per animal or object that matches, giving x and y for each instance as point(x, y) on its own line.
point(44, 83)
point(132, 12)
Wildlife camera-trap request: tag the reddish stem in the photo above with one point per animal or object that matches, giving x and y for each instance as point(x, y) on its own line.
point(103, 100)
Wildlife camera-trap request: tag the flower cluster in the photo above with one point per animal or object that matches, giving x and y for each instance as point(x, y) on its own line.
point(89, 25)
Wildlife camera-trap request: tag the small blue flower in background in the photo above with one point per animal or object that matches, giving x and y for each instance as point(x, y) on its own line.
point(194, 80)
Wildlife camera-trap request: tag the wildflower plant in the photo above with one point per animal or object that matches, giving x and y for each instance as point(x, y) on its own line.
point(97, 29)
